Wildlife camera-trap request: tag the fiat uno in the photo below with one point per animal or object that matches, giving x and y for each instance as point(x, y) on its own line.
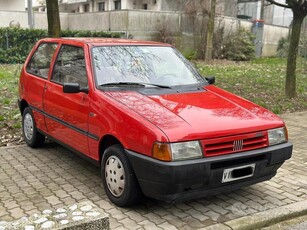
point(143, 113)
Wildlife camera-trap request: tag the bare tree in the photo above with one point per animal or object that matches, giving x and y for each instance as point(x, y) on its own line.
point(205, 9)
point(210, 31)
point(53, 16)
point(299, 9)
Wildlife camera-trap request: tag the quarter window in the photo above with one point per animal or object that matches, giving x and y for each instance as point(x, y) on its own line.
point(39, 64)
point(70, 66)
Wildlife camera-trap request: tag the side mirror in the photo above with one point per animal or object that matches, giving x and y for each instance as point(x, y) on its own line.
point(73, 88)
point(210, 79)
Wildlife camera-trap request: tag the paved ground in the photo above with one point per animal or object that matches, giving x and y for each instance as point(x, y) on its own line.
point(32, 180)
point(299, 223)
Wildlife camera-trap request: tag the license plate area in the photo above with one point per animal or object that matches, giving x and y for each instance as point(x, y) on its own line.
point(238, 173)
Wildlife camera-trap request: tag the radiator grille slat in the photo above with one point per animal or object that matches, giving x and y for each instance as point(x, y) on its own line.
point(234, 144)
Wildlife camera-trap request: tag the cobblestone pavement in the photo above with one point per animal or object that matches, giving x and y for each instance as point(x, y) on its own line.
point(32, 180)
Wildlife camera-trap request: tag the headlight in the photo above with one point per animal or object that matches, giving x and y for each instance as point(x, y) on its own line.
point(177, 151)
point(186, 150)
point(277, 136)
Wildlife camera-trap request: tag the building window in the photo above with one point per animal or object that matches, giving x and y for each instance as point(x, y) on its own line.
point(145, 6)
point(101, 6)
point(87, 8)
point(117, 5)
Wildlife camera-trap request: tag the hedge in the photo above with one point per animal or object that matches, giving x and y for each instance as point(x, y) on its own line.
point(16, 43)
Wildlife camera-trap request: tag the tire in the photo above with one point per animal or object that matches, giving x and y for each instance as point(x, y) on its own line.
point(118, 178)
point(30, 134)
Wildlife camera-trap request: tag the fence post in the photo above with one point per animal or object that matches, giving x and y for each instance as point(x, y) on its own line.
point(258, 32)
point(30, 15)
point(7, 40)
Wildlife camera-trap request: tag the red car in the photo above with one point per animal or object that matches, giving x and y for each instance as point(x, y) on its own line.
point(143, 113)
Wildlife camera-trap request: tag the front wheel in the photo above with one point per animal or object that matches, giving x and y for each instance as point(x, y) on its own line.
point(118, 178)
point(30, 134)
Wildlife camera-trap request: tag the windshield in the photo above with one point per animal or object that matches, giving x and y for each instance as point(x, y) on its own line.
point(143, 64)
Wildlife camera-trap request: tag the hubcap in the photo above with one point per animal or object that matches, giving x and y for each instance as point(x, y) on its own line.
point(28, 126)
point(115, 176)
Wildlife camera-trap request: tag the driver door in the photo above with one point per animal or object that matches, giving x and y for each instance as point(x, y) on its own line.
point(67, 114)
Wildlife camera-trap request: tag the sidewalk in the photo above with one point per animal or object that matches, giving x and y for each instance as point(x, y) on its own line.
point(32, 180)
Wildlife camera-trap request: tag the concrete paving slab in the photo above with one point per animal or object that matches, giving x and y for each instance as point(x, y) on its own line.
point(269, 217)
point(32, 180)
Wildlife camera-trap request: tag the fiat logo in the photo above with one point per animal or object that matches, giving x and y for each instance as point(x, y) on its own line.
point(237, 145)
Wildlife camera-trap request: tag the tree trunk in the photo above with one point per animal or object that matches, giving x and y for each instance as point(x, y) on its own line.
point(290, 88)
point(53, 16)
point(210, 31)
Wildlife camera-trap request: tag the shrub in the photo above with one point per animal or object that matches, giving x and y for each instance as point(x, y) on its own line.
point(16, 43)
point(283, 47)
point(218, 42)
point(239, 46)
point(190, 55)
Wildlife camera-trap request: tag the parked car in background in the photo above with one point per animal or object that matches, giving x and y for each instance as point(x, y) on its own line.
point(144, 114)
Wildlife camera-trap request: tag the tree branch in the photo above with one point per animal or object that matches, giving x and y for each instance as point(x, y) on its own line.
point(278, 4)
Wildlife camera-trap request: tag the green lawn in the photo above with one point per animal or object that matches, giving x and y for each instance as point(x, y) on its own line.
point(10, 119)
point(261, 81)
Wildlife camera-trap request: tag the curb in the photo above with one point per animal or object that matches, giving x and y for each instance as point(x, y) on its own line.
point(263, 219)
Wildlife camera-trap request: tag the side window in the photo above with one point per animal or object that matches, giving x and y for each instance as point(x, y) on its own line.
point(39, 64)
point(70, 66)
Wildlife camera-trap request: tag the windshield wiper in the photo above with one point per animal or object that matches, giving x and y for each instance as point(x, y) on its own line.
point(134, 83)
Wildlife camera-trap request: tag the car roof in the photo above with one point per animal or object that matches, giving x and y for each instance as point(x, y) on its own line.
point(104, 41)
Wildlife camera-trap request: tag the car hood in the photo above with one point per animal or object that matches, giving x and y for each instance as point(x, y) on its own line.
point(206, 113)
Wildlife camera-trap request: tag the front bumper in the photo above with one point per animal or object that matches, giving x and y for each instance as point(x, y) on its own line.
point(191, 179)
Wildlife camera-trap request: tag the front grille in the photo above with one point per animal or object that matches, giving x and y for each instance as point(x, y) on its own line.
point(234, 144)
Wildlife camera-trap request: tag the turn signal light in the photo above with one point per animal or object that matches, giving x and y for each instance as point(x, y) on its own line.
point(161, 151)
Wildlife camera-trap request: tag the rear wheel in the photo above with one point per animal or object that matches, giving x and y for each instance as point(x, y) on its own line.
point(30, 134)
point(118, 178)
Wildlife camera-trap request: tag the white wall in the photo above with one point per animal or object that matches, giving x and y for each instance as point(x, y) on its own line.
point(126, 4)
point(17, 5)
point(35, 3)
point(148, 25)
point(12, 5)
point(271, 36)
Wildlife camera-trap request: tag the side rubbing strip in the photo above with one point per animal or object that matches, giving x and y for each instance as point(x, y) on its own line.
point(81, 131)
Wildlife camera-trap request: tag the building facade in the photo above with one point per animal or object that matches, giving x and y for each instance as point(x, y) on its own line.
point(272, 14)
point(20, 5)
point(83, 6)
point(224, 7)
point(11, 5)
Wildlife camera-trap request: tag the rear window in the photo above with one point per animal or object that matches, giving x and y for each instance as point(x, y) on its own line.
point(39, 64)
